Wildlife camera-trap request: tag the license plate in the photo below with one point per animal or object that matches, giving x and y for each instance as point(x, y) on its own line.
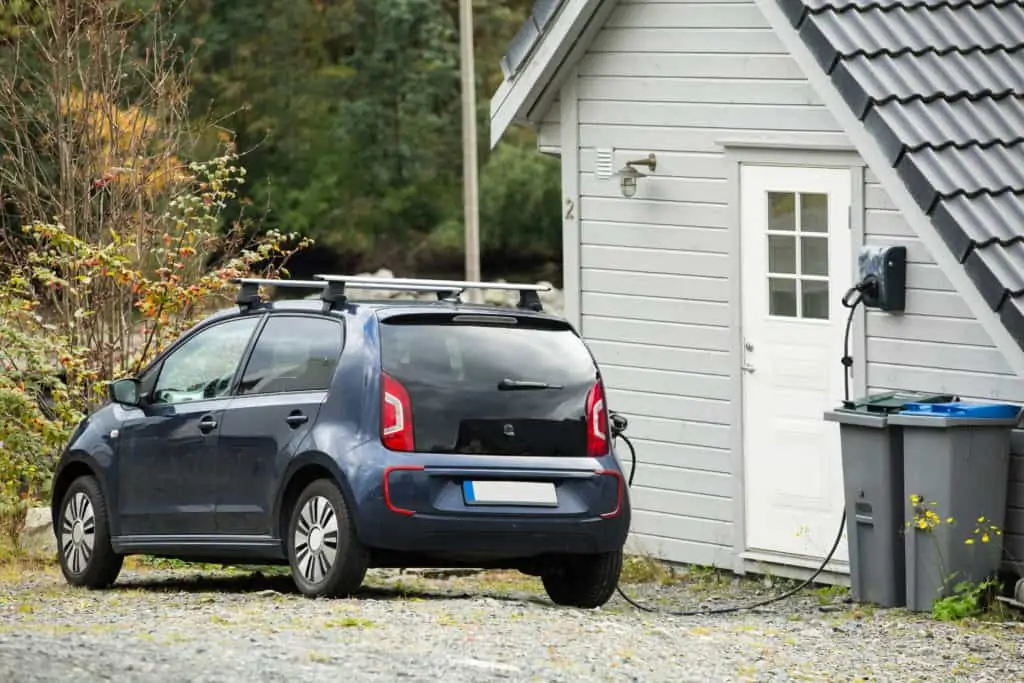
point(509, 493)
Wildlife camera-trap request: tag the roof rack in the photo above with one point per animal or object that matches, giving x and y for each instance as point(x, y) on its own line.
point(249, 288)
point(333, 288)
point(447, 290)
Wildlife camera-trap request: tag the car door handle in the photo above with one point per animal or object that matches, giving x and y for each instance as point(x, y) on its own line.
point(295, 419)
point(207, 424)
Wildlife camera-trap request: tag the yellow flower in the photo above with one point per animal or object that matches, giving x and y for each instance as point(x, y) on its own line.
point(969, 541)
point(984, 538)
point(981, 520)
point(921, 524)
point(949, 520)
point(915, 499)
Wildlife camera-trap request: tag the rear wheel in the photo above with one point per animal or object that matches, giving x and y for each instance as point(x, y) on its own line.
point(583, 580)
point(325, 557)
point(86, 557)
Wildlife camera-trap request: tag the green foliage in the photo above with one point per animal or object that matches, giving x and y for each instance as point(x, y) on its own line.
point(958, 599)
point(969, 599)
point(349, 115)
point(520, 191)
point(75, 313)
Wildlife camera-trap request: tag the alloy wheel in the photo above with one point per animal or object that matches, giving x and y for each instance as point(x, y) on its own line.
point(78, 532)
point(316, 539)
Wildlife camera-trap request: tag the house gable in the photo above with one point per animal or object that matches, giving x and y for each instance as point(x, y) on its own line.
point(935, 85)
point(548, 41)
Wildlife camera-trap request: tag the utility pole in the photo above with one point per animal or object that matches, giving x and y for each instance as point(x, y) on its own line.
point(470, 170)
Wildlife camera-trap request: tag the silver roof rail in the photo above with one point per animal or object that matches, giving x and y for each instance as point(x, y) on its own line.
point(333, 288)
point(447, 290)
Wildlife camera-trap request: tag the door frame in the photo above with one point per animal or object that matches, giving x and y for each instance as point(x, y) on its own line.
point(782, 151)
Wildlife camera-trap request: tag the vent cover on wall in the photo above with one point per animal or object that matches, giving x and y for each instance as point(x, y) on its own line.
point(604, 166)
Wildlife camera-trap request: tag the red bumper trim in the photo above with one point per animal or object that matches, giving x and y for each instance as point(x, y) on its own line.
point(387, 487)
point(620, 492)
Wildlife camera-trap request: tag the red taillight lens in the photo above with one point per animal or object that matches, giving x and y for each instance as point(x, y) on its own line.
point(597, 421)
point(396, 415)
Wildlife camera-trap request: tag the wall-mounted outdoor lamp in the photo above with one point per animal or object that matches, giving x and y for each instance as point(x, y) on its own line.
point(628, 174)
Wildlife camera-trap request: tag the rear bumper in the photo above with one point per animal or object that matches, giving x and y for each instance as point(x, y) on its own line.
point(418, 506)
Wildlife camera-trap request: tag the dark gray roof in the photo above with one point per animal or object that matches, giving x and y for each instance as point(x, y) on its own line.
point(940, 86)
point(528, 36)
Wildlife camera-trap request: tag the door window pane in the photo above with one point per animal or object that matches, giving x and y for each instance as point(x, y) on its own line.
point(782, 297)
point(814, 295)
point(204, 366)
point(782, 211)
point(814, 256)
point(782, 254)
point(813, 212)
point(293, 354)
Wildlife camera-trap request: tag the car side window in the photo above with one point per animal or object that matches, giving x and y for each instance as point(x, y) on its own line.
point(293, 353)
point(203, 367)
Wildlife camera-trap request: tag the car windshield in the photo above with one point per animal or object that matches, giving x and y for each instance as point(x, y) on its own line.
point(479, 387)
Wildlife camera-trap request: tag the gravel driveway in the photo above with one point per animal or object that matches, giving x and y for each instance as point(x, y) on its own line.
point(177, 625)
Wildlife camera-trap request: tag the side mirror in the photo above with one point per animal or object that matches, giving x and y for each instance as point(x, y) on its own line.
point(124, 391)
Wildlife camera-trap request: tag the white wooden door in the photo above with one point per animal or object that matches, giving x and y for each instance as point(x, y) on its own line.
point(796, 266)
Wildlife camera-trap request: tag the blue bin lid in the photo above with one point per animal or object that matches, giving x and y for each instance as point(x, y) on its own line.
point(990, 411)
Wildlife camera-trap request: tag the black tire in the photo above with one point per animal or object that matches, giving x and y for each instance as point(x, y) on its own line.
point(313, 570)
point(83, 519)
point(586, 581)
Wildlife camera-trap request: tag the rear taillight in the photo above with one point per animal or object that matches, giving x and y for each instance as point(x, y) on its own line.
point(396, 415)
point(597, 421)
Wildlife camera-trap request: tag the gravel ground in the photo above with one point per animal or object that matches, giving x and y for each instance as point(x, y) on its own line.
point(180, 625)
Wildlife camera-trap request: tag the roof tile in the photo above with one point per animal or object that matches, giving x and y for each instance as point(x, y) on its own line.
point(938, 84)
point(929, 75)
point(996, 271)
point(986, 218)
point(941, 123)
point(920, 29)
point(972, 170)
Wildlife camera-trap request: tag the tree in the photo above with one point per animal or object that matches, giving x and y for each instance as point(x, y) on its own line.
point(116, 241)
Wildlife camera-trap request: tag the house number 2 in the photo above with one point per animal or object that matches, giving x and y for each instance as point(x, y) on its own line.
point(570, 206)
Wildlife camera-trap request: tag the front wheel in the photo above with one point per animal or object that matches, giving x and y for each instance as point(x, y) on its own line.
point(86, 556)
point(325, 557)
point(583, 580)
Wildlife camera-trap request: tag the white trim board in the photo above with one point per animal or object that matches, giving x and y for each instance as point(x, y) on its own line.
point(898, 193)
point(571, 242)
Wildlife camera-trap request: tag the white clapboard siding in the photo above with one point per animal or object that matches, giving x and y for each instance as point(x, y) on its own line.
point(676, 78)
point(937, 345)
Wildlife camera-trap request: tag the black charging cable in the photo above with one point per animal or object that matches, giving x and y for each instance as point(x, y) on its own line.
point(853, 297)
point(851, 300)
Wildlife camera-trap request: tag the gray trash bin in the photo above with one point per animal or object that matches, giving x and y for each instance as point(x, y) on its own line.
point(872, 454)
point(956, 464)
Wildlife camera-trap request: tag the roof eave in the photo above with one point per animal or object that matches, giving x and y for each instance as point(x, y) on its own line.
point(515, 100)
point(875, 157)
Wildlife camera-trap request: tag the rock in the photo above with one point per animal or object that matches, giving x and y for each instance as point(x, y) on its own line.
point(37, 537)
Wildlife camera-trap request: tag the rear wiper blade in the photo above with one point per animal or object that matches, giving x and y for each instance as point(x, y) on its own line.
point(524, 385)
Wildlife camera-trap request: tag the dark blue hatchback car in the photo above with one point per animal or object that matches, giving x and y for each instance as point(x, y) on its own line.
point(334, 436)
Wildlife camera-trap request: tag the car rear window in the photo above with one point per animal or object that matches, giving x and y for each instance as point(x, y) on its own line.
point(518, 387)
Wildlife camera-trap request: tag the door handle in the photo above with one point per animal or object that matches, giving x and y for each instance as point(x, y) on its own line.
point(295, 419)
point(744, 365)
point(207, 424)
